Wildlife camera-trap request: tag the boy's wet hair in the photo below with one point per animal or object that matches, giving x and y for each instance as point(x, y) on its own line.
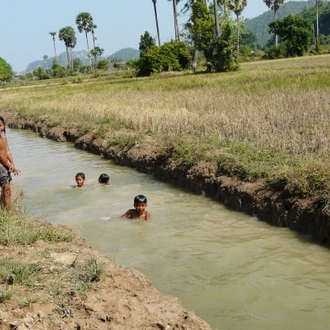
point(81, 174)
point(1, 119)
point(140, 199)
point(104, 178)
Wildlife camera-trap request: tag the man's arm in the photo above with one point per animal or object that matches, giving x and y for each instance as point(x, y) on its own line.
point(10, 160)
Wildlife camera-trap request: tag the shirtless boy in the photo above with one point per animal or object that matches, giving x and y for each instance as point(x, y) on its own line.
point(139, 211)
point(7, 166)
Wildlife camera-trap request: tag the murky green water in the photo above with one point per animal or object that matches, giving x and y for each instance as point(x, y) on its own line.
point(230, 269)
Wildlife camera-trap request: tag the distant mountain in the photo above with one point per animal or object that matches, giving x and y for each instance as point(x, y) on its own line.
point(124, 54)
point(259, 25)
point(62, 60)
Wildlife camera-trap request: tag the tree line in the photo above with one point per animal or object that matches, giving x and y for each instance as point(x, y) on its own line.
point(214, 32)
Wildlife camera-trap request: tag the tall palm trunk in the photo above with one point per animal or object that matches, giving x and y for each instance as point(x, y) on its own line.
point(317, 25)
point(89, 56)
point(156, 18)
point(55, 48)
point(276, 36)
point(176, 24)
point(68, 55)
point(94, 37)
point(217, 30)
point(238, 33)
point(53, 34)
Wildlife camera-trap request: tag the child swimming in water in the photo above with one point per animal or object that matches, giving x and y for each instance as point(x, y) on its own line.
point(80, 180)
point(104, 179)
point(139, 211)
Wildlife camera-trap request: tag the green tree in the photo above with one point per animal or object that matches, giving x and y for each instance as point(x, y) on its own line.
point(6, 71)
point(114, 61)
point(248, 39)
point(295, 31)
point(171, 56)
point(45, 58)
point(68, 35)
point(200, 28)
point(85, 23)
point(53, 34)
point(41, 73)
point(275, 6)
point(146, 42)
point(93, 27)
point(215, 40)
point(103, 65)
point(58, 70)
point(77, 64)
point(96, 52)
point(156, 19)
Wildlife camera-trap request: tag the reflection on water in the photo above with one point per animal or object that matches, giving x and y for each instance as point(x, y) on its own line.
point(230, 269)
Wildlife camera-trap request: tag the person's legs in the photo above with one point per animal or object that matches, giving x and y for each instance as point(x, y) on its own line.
point(6, 196)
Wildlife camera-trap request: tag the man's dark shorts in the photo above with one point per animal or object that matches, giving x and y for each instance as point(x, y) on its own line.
point(4, 176)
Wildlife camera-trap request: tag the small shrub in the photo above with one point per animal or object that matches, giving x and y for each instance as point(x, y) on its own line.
point(275, 52)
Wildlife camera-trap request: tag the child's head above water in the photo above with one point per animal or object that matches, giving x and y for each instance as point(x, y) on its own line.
point(140, 199)
point(140, 205)
point(104, 178)
point(80, 179)
point(139, 211)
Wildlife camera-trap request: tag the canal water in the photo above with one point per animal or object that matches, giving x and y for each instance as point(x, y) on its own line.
point(232, 270)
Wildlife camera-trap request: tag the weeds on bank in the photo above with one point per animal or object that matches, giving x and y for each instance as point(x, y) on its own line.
point(34, 277)
point(20, 229)
point(59, 287)
point(126, 141)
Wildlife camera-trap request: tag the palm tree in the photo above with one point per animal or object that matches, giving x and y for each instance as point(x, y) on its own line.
point(45, 58)
point(274, 5)
point(68, 35)
point(96, 52)
point(84, 23)
point(237, 6)
point(53, 34)
point(156, 18)
point(175, 16)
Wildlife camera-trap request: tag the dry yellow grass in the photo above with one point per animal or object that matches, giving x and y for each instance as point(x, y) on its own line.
point(279, 106)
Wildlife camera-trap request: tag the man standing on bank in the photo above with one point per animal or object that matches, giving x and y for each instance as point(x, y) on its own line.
point(7, 167)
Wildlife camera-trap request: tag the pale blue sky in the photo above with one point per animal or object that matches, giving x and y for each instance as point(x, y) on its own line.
point(25, 25)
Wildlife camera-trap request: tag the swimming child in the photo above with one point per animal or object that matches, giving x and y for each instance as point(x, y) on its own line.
point(104, 179)
point(139, 211)
point(7, 166)
point(80, 179)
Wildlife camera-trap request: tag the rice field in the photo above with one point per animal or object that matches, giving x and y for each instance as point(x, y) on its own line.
point(268, 121)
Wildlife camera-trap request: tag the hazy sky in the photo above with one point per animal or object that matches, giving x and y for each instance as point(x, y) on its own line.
point(25, 25)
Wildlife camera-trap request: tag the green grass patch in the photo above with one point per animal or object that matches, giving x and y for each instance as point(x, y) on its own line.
point(24, 231)
point(15, 272)
point(126, 141)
